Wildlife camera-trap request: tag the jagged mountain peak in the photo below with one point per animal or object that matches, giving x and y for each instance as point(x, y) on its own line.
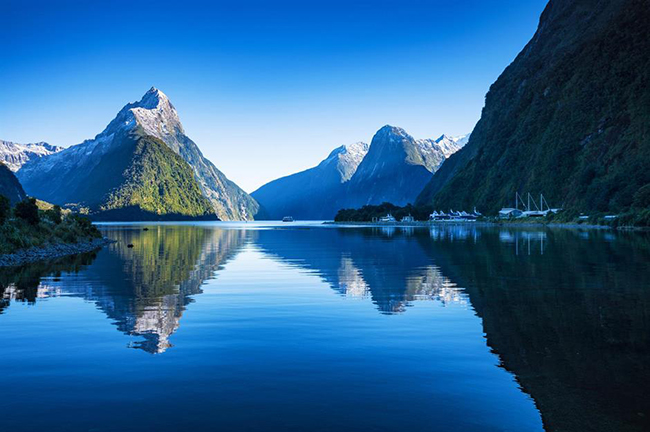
point(449, 145)
point(152, 116)
point(15, 155)
point(347, 158)
point(461, 138)
point(154, 113)
point(353, 151)
point(389, 130)
point(153, 99)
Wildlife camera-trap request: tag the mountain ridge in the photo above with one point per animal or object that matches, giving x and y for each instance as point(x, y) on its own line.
point(312, 193)
point(155, 116)
point(396, 168)
point(15, 155)
point(320, 192)
point(568, 118)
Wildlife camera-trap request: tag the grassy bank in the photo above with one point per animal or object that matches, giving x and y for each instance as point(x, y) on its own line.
point(27, 226)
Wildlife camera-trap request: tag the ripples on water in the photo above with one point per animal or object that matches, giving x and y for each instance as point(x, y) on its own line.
point(289, 327)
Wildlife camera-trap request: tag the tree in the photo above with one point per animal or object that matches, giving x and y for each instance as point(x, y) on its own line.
point(642, 197)
point(27, 210)
point(5, 208)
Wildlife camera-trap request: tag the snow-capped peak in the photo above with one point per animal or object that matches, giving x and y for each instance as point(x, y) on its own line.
point(450, 145)
point(15, 155)
point(154, 113)
point(347, 158)
point(152, 99)
point(461, 140)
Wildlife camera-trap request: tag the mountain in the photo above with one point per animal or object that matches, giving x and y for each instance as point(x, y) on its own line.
point(65, 177)
point(15, 155)
point(155, 183)
point(313, 193)
point(568, 118)
point(396, 168)
point(10, 186)
point(461, 140)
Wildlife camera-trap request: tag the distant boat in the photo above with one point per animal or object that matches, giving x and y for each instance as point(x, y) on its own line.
point(453, 216)
point(510, 213)
point(388, 218)
point(408, 219)
point(287, 219)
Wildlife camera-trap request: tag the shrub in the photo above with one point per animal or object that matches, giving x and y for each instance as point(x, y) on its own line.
point(5, 208)
point(54, 214)
point(27, 210)
point(83, 225)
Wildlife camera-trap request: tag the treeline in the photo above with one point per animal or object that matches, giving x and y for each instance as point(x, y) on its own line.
point(637, 216)
point(369, 212)
point(30, 223)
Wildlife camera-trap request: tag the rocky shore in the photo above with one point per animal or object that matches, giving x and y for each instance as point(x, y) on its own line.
point(34, 254)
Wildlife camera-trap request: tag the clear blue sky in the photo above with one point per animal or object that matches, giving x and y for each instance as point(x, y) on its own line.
point(264, 88)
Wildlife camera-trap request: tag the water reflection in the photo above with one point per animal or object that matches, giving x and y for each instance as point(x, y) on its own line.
point(566, 311)
point(147, 287)
point(26, 283)
point(390, 267)
point(143, 289)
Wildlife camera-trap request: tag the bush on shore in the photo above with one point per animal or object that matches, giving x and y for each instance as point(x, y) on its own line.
point(27, 210)
point(26, 226)
point(368, 212)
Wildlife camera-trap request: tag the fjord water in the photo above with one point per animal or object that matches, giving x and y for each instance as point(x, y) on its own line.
point(266, 327)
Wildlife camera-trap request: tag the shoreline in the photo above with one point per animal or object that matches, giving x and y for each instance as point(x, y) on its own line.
point(481, 224)
point(50, 252)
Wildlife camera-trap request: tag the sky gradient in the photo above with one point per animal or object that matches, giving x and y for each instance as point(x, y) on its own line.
point(264, 88)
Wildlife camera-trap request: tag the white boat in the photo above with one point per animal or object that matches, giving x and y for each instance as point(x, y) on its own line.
point(453, 216)
point(388, 218)
point(287, 219)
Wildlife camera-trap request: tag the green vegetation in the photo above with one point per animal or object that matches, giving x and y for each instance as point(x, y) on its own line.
point(368, 212)
point(27, 210)
point(5, 209)
point(636, 217)
point(26, 226)
point(159, 182)
point(568, 118)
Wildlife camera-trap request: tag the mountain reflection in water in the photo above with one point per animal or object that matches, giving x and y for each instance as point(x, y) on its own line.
point(144, 289)
point(389, 266)
point(566, 311)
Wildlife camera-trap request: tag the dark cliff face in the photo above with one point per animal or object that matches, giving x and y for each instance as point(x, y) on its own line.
point(568, 118)
point(10, 186)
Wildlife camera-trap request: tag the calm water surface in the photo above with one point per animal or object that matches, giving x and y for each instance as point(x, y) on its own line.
point(262, 327)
